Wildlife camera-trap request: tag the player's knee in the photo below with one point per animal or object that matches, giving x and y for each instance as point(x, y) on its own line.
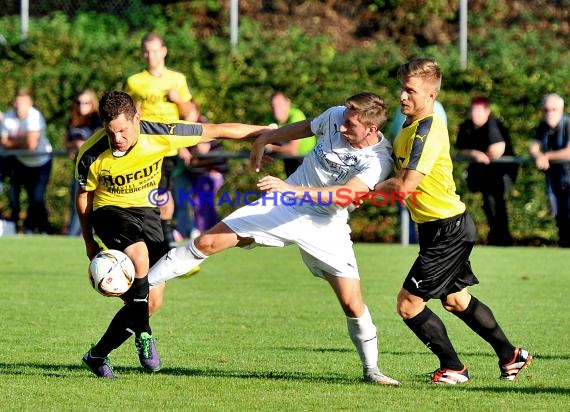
point(406, 308)
point(403, 311)
point(213, 242)
point(153, 306)
point(456, 302)
point(353, 308)
point(205, 243)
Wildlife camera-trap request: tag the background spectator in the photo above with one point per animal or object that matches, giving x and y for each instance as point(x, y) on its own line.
point(24, 128)
point(483, 138)
point(162, 95)
point(183, 210)
point(551, 144)
point(84, 121)
point(284, 112)
point(207, 176)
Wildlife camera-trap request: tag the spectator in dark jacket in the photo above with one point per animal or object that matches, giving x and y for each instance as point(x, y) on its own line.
point(483, 138)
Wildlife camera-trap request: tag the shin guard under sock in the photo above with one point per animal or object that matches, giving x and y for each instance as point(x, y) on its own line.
point(432, 332)
point(481, 320)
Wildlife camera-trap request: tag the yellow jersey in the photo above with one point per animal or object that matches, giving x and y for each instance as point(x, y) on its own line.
point(151, 93)
point(131, 180)
point(424, 146)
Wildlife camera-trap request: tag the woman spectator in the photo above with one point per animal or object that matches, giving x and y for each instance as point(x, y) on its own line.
point(83, 123)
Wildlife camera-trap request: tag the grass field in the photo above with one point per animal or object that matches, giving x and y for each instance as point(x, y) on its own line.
point(255, 331)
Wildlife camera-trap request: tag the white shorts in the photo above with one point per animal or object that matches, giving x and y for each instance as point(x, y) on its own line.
point(323, 240)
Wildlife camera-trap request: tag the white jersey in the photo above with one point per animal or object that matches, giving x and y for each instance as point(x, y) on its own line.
point(321, 232)
point(333, 161)
point(34, 122)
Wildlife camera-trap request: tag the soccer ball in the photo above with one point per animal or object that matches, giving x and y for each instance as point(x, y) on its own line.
point(111, 272)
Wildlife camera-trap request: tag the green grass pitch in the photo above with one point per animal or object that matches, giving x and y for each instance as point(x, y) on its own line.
point(255, 331)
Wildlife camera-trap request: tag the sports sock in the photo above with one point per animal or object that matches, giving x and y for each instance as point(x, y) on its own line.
point(176, 262)
point(115, 335)
point(362, 332)
point(481, 320)
point(432, 332)
point(138, 305)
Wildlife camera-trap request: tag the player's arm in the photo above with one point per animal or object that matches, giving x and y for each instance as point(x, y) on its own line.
point(84, 206)
point(286, 133)
point(289, 148)
point(212, 131)
point(342, 195)
point(405, 183)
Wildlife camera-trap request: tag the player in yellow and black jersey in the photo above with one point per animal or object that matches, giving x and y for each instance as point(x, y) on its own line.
point(118, 170)
point(163, 95)
point(446, 233)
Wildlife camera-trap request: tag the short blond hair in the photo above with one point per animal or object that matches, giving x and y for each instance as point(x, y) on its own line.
point(424, 68)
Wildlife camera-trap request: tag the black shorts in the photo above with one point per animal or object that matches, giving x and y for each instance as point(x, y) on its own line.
point(120, 227)
point(442, 266)
point(168, 166)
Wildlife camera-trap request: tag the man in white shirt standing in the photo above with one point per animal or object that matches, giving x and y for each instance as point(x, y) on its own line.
point(24, 128)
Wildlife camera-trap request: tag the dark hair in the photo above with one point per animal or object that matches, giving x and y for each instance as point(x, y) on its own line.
point(151, 37)
point(370, 107)
point(482, 100)
point(115, 103)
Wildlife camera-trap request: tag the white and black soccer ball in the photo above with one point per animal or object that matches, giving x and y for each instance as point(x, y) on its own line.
point(111, 272)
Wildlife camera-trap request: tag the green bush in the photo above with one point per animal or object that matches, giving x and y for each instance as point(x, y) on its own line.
point(512, 66)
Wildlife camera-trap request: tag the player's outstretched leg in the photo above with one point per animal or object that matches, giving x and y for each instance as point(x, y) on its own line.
point(176, 262)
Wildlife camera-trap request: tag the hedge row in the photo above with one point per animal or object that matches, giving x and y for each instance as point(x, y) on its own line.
point(513, 67)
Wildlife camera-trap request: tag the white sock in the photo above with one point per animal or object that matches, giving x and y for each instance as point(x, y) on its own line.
point(176, 262)
point(362, 332)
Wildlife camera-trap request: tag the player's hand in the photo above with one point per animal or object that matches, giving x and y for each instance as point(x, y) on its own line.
point(272, 184)
point(258, 155)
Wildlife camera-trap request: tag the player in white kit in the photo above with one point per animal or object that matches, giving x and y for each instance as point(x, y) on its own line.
point(309, 209)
